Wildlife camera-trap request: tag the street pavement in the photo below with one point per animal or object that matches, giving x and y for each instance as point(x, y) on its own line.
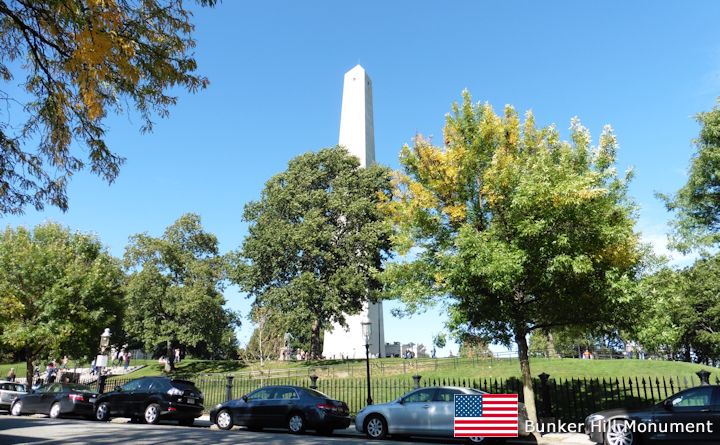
point(40, 430)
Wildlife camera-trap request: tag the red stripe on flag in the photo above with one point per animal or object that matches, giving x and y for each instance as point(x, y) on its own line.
point(472, 422)
point(499, 428)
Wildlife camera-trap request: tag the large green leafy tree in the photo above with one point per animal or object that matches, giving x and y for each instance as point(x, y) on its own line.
point(682, 311)
point(697, 204)
point(58, 291)
point(76, 61)
point(316, 242)
point(174, 290)
point(518, 230)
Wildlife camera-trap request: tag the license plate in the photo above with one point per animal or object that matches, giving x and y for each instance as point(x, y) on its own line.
point(190, 400)
point(92, 399)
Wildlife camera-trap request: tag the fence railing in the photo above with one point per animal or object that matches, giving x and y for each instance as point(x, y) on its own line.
point(568, 399)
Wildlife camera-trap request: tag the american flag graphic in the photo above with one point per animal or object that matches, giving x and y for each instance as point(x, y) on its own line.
point(486, 415)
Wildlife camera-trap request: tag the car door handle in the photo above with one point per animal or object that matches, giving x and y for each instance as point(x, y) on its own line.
point(426, 406)
point(706, 410)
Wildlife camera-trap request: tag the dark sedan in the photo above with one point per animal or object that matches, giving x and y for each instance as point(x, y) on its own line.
point(57, 399)
point(149, 399)
point(291, 407)
point(690, 416)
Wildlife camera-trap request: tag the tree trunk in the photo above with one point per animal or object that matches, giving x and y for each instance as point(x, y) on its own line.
point(528, 392)
point(30, 371)
point(315, 346)
point(170, 362)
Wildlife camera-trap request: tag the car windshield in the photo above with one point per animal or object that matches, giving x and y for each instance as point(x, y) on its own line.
point(184, 384)
point(315, 393)
point(78, 387)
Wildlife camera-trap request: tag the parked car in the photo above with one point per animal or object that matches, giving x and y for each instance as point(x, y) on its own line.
point(9, 391)
point(291, 407)
point(695, 406)
point(422, 412)
point(57, 399)
point(150, 399)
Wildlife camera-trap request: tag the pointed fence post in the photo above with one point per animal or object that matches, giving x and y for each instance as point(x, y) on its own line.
point(313, 381)
point(228, 387)
point(704, 377)
point(416, 379)
point(545, 391)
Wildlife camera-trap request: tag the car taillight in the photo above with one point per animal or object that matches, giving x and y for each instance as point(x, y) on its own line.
point(76, 397)
point(175, 392)
point(326, 407)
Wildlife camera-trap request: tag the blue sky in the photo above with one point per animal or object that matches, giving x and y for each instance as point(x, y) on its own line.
point(276, 70)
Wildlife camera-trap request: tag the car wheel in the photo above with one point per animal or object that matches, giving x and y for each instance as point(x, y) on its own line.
point(477, 440)
point(102, 413)
point(152, 414)
point(296, 423)
point(186, 422)
point(16, 409)
point(619, 433)
point(55, 410)
point(375, 427)
point(224, 420)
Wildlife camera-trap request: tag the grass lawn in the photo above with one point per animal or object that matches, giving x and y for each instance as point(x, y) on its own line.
point(429, 369)
point(568, 368)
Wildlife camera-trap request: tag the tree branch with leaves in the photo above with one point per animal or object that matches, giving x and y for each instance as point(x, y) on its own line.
point(82, 59)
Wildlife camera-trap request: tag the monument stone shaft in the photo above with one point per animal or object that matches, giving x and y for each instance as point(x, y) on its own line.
point(357, 135)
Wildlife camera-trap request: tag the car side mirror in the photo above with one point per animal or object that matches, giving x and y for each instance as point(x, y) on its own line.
point(668, 405)
point(245, 399)
point(118, 389)
point(401, 401)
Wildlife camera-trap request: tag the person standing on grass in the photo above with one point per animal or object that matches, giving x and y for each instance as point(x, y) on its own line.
point(128, 355)
point(11, 375)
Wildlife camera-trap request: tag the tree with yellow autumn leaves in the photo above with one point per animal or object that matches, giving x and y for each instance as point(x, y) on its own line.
point(515, 229)
point(76, 61)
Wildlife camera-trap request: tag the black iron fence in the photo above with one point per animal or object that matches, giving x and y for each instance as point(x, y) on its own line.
point(569, 399)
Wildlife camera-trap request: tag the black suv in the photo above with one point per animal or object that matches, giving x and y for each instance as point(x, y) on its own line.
point(148, 399)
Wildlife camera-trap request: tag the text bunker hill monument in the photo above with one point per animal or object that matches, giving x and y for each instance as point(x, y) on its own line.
point(357, 135)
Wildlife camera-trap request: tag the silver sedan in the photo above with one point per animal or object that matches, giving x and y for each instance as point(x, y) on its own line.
point(422, 412)
point(9, 391)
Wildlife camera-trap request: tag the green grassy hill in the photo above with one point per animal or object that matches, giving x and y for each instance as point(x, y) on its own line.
point(428, 368)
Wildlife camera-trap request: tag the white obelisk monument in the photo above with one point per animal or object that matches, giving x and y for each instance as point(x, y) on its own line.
point(358, 137)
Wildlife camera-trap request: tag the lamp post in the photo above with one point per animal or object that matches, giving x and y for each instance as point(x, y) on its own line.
point(367, 332)
point(101, 360)
point(104, 340)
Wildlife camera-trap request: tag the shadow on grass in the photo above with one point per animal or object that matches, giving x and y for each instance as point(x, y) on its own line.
point(209, 367)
